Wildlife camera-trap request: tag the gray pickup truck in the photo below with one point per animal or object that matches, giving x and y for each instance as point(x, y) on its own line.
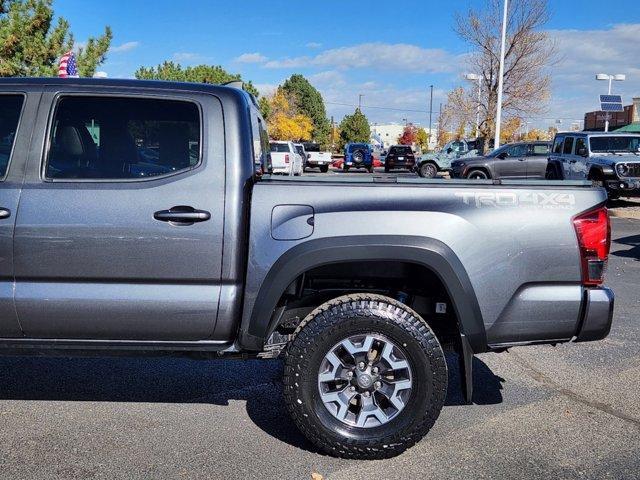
point(136, 218)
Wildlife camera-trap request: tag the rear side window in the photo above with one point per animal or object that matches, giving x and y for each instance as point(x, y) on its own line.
point(280, 147)
point(580, 144)
point(10, 108)
point(568, 146)
point(540, 149)
point(108, 138)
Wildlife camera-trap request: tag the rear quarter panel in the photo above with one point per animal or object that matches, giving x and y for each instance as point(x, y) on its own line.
point(514, 242)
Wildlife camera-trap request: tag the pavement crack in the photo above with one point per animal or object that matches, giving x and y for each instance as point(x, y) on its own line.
point(542, 378)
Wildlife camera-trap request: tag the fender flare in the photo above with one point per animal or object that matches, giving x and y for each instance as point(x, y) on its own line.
point(258, 324)
point(605, 170)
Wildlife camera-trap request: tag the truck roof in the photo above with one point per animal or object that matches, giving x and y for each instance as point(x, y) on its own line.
point(597, 134)
point(117, 82)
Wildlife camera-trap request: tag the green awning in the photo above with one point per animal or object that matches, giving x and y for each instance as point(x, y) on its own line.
point(631, 128)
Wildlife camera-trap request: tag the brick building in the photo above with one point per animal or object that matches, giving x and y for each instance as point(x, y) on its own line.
point(594, 121)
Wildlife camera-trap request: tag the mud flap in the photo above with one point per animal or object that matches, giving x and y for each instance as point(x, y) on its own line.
point(465, 363)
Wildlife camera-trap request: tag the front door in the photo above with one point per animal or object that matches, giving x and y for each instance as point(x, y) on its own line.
point(16, 112)
point(119, 230)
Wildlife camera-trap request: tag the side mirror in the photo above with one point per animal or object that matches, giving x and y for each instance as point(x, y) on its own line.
point(583, 152)
point(308, 155)
point(449, 150)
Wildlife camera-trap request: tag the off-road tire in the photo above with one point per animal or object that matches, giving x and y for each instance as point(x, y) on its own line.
point(386, 169)
point(341, 318)
point(428, 170)
point(345, 168)
point(552, 173)
point(324, 168)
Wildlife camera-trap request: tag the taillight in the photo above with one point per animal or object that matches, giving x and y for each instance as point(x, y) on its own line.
point(286, 158)
point(594, 239)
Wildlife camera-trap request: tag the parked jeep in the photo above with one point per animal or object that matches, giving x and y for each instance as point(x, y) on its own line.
point(358, 284)
point(358, 155)
point(611, 160)
point(429, 164)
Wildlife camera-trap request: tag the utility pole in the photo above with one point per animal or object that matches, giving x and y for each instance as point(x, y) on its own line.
point(496, 142)
point(439, 125)
point(333, 130)
point(430, 110)
point(360, 101)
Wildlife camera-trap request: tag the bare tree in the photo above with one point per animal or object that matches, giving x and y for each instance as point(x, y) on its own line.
point(528, 53)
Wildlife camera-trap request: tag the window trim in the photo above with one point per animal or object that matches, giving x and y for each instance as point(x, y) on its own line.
point(147, 96)
point(15, 139)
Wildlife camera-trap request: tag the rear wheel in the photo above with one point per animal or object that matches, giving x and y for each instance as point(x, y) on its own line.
point(428, 170)
point(477, 175)
point(345, 167)
point(386, 169)
point(365, 377)
point(324, 168)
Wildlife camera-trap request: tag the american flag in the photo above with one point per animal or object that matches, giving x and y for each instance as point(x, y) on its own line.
point(68, 66)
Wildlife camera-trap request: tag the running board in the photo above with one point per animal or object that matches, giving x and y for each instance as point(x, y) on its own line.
point(27, 344)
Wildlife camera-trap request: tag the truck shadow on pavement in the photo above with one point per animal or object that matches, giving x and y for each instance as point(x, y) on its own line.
point(632, 241)
point(185, 381)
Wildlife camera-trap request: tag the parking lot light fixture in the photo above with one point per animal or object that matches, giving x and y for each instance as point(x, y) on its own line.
point(619, 77)
point(474, 77)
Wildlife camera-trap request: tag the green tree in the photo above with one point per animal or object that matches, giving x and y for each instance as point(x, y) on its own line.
point(198, 74)
point(422, 139)
point(308, 101)
point(355, 128)
point(30, 43)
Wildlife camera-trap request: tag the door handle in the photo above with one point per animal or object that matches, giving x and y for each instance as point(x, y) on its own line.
point(182, 215)
point(521, 159)
point(4, 213)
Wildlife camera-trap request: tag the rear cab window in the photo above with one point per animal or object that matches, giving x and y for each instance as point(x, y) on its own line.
point(118, 138)
point(10, 112)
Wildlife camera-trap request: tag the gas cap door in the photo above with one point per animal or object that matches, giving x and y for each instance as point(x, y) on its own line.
point(292, 222)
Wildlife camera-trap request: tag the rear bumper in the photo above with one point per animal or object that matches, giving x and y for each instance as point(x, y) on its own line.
point(286, 170)
point(410, 164)
point(598, 314)
point(317, 163)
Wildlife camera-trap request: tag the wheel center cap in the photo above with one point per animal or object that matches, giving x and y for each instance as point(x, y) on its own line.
point(365, 380)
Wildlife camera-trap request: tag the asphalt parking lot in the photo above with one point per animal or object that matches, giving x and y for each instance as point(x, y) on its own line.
point(571, 411)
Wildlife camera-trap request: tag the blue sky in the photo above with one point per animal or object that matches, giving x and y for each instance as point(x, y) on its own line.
point(388, 51)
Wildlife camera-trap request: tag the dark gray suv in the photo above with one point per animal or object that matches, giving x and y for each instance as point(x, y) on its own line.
point(514, 160)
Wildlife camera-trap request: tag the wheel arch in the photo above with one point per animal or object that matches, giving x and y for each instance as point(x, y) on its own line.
point(482, 168)
point(258, 322)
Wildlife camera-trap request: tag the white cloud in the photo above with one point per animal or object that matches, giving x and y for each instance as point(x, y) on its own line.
point(188, 57)
point(328, 77)
point(313, 45)
point(125, 47)
point(251, 58)
point(582, 54)
point(399, 57)
point(100, 74)
point(265, 89)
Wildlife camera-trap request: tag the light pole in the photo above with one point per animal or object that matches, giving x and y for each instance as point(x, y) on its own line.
point(473, 77)
point(496, 141)
point(430, 112)
point(360, 101)
point(618, 78)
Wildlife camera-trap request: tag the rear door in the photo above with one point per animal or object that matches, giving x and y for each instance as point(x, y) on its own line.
point(17, 111)
point(119, 230)
point(514, 165)
point(537, 160)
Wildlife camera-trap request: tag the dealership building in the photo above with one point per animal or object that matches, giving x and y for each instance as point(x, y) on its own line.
point(630, 116)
